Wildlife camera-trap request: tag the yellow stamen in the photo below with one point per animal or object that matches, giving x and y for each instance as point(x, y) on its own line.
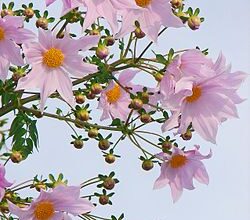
point(196, 94)
point(44, 210)
point(53, 58)
point(178, 161)
point(113, 94)
point(143, 3)
point(2, 34)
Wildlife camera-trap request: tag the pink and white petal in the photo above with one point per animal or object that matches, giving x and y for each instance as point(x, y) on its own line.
point(87, 42)
point(162, 180)
point(66, 217)
point(4, 68)
point(23, 214)
point(127, 75)
point(172, 122)
point(45, 38)
point(58, 216)
point(49, 2)
point(201, 175)
point(176, 189)
point(91, 15)
point(2, 193)
point(13, 21)
point(21, 35)
point(33, 53)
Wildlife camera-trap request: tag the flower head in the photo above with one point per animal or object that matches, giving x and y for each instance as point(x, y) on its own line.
point(11, 34)
point(151, 15)
point(114, 100)
point(3, 182)
point(179, 169)
point(52, 60)
point(203, 93)
point(54, 204)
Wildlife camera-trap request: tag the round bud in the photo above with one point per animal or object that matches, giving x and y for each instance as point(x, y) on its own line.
point(158, 76)
point(16, 157)
point(109, 183)
point(103, 199)
point(194, 22)
point(110, 40)
point(145, 97)
point(104, 144)
point(28, 12)
point(147, 165)
point(139, 33)
point(80, 98)
point(5, 12)
point(136, 104)
point(90, 95)
point(166, 146)
point(93, 132)
point(17, 75)
point(82, 115)
point(94, 32)
point(42, 23)
point(102, 52)
point(176, 3)
point(110, 158)
point(60, 35)
point(187, 136)
point(145, 118)
point(96, 88)
point(78, 144)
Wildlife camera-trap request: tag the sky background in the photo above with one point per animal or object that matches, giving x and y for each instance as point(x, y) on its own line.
point(225, 29)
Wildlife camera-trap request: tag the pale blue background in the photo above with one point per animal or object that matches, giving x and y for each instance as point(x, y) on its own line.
point(227, 197)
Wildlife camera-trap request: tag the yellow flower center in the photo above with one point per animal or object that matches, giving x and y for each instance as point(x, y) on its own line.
point(143, 3)
point(2, 34)
point(113, 94)
point(196, 94)
point(53, 57)
point(44, 210)
point(178, 161)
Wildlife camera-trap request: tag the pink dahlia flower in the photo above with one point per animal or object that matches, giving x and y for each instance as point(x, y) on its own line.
point(55, 204)
point(52, 61)
point(11, 34)
point(179, 169)
point(100, 8)
point(151, 14)
point(114, 101)
point(3, 182)
point(204, 94)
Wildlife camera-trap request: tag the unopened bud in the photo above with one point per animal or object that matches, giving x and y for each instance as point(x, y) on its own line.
point(82, 115)
point(194, 22)
point(42, 23)
point(166, 146)
point(93, 132)
point(110, 40)
point(90, 95)
point(16, 157)
point(145, 118)
point(28, 12)
point(158, 76)
point(147, 165)
point(104, 144)
point(78, 143)
point(6, 12)
point(139, 33)
point(110, 158)
point(187, 136)
point(102, 51)
point(176, 3)
point(103, 199)
point(96, 88)
point(109, 183)
point(136, 104)
point(40, 186)
point(80, 98)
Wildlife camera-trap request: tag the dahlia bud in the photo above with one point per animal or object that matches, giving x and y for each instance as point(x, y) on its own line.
point(166, 146)
point(17, 75)
point(139, 33)
point(104, 144)
point(145, 97)
point(94, 32)
point(147, 165)
point(194, 22)
point(109, 183)
point(102, 52)
point(90, 95)
point(110, 158)
point(136, 104)
point(28, 13)
point(187, 136)
point(16, 157)
point(93, 132)
point(145, 118)
point(78, 143)
point(96, 88)
point(110, 40)
point(158, 76)
point(6, 12)
point(103, 199)
point(40, 186)
point(176, 3)
point(42, 23)
point(82, 115)
point(80, 98)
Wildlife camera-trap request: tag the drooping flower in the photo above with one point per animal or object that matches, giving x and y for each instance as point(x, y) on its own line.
point(151, 14)
point(114, 100)
point(52, 60)
point(204, 94)
point(11, 34)
point(3, 182)
point(179, 169)
point(101, 8)
point(55, 204)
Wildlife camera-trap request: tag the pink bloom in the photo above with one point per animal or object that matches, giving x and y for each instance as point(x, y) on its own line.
point(67, 4)
point(11, 34)
point(52, 60)
point(114, 101)
point(100, 8)
point(3, 182)
point(204, 95)
point(151, 14)
point(55, 204)
point(179, 169)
